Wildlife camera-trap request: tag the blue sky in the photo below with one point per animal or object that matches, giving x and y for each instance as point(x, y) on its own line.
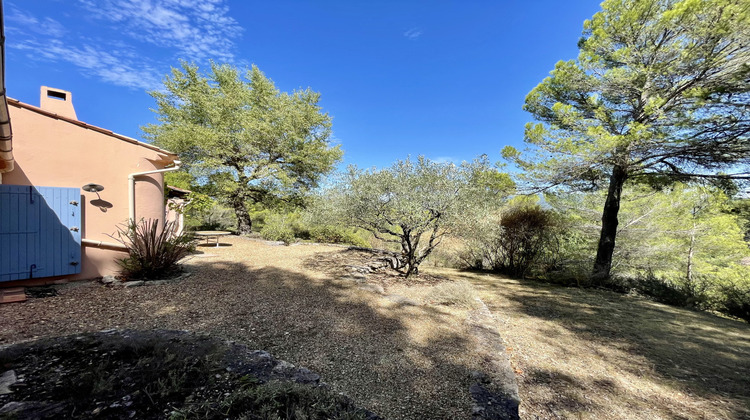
point(444, 79)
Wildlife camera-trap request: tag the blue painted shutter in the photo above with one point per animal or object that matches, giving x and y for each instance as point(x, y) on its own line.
point(40, 232)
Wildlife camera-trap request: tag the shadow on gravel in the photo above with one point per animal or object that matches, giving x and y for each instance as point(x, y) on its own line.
point(400, 361)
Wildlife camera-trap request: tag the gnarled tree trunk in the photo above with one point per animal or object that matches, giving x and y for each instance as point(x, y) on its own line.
point(606, 247)
point(244, 223)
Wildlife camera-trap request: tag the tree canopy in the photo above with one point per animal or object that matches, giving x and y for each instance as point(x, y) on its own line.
point(240, 135)
point(660, 92)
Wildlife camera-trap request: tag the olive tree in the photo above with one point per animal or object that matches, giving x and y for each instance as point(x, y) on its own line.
point(416, 203)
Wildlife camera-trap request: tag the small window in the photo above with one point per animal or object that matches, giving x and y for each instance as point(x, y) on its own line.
point(57, 95)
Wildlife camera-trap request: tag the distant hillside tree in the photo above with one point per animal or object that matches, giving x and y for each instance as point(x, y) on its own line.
point(660, 92)
point(416, 203)
point(241, 136)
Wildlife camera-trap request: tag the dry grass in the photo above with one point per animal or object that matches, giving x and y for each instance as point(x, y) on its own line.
point(589, 354)
point(452, 293)
point(580, 354)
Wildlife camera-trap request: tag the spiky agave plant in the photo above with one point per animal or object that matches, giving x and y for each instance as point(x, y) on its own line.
point(153, 250)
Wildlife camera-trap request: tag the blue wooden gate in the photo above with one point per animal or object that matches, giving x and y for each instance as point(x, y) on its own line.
point(39, 232)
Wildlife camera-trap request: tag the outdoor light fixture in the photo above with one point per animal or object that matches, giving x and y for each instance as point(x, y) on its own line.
point(92, 188)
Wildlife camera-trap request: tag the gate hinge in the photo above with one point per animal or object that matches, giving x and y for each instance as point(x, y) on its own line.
point(74, 203)
point(74, 228)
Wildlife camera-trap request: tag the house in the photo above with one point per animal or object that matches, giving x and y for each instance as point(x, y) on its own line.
point(68, 187)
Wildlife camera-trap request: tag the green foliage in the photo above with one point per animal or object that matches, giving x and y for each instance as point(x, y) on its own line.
point(414, 204)
point(306, 226)
point(741, 208)
point(659, 89)
point(201, 211)
point(241, 137)
point(321, 222)
point(734, 298)
point(153, 252)
point(278, 227)
point(215, 217)
point(681, 245)
point(513, 240)
point(527, 232)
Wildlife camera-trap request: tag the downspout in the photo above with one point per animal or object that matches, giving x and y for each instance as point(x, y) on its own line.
point(6, 135)
point(131, 186)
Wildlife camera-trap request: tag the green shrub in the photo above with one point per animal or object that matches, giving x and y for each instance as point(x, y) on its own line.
point(735, 301)
point(277, 228)
point(258, 216)
point(335, 235)
point(153, 252)
point(664, 290)
point(215, 217)
point(522, 236)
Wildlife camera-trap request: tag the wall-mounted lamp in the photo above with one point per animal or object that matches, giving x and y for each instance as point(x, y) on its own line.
point(92, 188)
point(95, 188)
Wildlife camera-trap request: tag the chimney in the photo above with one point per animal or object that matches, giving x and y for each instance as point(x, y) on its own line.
point(57, 101)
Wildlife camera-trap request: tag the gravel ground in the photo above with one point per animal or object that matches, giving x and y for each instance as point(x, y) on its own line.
point(400, 360)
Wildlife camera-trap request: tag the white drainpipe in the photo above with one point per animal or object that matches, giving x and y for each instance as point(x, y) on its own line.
point(131, 189)
point(98, 244)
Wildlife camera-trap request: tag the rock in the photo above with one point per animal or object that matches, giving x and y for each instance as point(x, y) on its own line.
point(357, 278)
point(373, 288)
point(495, 394)
point(283, 366)
point(305, 376)
point(480, 377)
point(32, 410)
point(401, 300)
point(159, 282)
point(135, 283)
point(7, 379)
point(108, 280)
point(492, 405)
point(359, 269)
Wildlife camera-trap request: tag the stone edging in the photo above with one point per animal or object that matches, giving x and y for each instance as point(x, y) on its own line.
point(495, 394)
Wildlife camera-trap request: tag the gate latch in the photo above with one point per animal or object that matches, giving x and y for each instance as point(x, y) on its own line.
point(74, 228)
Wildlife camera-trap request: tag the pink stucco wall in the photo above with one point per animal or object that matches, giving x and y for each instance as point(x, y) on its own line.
point(56, 152)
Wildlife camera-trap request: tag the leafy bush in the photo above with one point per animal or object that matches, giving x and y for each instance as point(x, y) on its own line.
point(335, 235)
point(277, 228)
point(288, 226)
point(735, 301)
point(660, 289)
point(215, 217)
point(526, 232)
point(153, 252)
point(513, 241)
